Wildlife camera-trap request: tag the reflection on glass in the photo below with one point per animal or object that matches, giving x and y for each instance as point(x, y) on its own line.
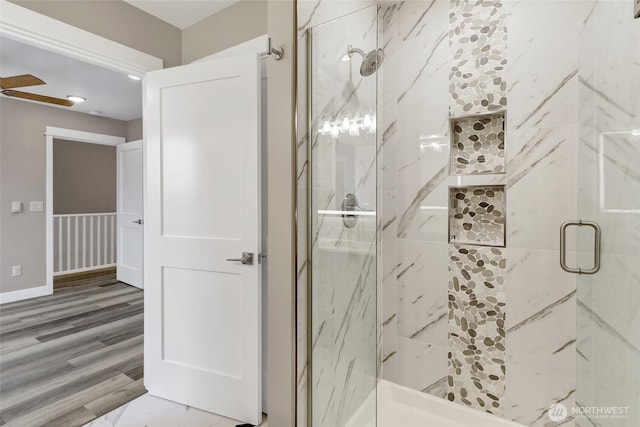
point(343, 220)
point(618, 176)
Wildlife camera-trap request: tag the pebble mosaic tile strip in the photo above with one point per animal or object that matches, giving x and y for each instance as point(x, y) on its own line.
point(476, 215)
point(478, 44)
point(476, 341)
point(477, 145)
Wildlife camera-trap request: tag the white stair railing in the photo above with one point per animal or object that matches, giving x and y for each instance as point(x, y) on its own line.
point(83, 242)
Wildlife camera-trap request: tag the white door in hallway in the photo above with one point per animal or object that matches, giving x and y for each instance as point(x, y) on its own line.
point(129, 218)
point(202, 186)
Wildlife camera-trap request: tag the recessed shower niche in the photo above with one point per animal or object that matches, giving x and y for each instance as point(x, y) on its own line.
point(477, 144)
point(477, 215)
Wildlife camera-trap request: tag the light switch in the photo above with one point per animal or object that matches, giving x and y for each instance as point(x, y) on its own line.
point(16, 207)
point(16, 270)
point(35, 206)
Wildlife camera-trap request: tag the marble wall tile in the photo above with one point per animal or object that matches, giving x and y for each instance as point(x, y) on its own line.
point(477, 301)
point(425, 216)
point(389, 254)
point(541, 351)
point(341, 380)
point(541, 95)
point(532, 391)
point(608, 66)
point(421, 59)
point(553, 351)
point(608, 341)
point(609, 188)
point(414, 109)
point(301, 380)
point(412, 357)
point(323, 380)
point(615, 296)
point(421, 316)
point(536, 285)
point(389, 322)
point(422, 99)
point(422, 299)
point(316, 12)
point(542, 159)
point(607, 366)
point(478, 44)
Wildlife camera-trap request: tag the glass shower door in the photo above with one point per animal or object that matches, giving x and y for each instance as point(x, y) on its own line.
point(342, 131)
point(608, 329)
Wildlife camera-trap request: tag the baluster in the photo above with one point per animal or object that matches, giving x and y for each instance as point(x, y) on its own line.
point(113, 239)
point(75, 237)
point(99, 239)
point(68, 254)
point(84, 241)
point(59, 243)
point(90, 241)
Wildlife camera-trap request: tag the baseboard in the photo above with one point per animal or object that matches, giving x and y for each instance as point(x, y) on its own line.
point(84, 270)
point(22, 294)
point(73, 279)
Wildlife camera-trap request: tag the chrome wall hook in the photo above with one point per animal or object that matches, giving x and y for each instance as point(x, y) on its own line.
point(277, 52)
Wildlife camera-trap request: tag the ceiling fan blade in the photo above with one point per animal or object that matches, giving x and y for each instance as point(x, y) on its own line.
point(39, 98)
point(20, 81)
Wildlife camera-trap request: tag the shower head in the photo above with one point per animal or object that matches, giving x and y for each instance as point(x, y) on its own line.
point(371, 61)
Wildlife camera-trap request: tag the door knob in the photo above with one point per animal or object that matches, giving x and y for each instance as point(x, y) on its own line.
point(247, 258)
point(138, 222)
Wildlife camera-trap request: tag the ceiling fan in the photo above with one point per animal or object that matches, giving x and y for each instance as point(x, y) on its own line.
point(8, 83)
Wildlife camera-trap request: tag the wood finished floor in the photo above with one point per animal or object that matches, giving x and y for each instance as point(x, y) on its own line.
point(70, 357)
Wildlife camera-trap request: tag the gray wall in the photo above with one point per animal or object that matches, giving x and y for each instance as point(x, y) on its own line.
point(118, 21)
point(222, 30)
point(84, 177)
point(134, 130)
point(22, 178)
point(281, 189)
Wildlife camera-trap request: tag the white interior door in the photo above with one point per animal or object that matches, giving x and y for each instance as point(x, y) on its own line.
point(202, 311)
point(129, 218)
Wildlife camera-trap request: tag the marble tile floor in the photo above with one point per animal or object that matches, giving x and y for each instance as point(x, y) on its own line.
point(151, 411)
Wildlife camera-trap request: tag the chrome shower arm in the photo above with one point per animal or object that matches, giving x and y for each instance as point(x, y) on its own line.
point(351, 50)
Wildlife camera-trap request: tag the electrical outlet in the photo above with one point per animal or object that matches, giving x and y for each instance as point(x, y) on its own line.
point(16, 270)
point(35, 206)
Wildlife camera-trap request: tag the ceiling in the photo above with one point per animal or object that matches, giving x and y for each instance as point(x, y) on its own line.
point(181, 13)
point(108, 93)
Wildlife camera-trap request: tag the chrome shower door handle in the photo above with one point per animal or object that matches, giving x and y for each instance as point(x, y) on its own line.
point(247, 258)
point(597, 243)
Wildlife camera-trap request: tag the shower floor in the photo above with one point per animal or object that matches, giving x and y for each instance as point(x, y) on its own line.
point(401, 406)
